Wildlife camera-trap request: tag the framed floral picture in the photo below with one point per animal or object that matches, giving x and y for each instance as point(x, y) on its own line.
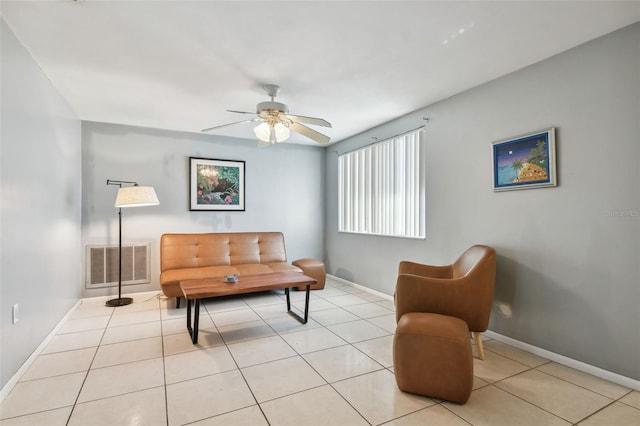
point(216, 184)
point(523, 162)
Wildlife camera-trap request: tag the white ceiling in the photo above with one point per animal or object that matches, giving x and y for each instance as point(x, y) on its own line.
point(180, 65)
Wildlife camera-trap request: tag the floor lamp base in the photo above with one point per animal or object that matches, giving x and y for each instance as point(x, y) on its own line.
point(122, 301)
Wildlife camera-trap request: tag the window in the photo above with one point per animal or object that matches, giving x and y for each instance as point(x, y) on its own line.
point(382, 188)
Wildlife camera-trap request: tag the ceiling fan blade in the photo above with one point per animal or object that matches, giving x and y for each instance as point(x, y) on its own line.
point(309, 120)
point(230, 124)
point(240, 112)
point(310, 133)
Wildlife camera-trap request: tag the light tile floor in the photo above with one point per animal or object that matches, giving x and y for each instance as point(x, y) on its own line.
point(256, 365)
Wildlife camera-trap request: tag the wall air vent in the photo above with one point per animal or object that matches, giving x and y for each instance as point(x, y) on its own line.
point(102, 265)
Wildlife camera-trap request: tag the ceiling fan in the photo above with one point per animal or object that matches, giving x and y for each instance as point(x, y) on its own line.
point(276, 122)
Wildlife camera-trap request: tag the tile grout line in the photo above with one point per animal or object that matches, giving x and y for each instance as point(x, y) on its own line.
point(494, 384)
point(579, 385)
point(337, 381)
point(164, 366)
point(624, 396)
point(107, 366)
point(530, 402)
point(75, 402)
point(525, 401)
point(595, 412)
point(238, 367)
point(298, 355)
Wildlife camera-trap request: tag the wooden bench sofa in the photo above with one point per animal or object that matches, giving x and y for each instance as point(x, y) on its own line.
point(209, 255)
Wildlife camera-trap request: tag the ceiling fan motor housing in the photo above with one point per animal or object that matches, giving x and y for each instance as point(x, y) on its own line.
point(271, 109)
point(272, 106)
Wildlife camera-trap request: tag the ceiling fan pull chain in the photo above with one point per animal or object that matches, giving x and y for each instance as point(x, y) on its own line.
point(272, 134)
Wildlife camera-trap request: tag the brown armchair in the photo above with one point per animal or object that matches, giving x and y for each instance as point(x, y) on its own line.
point(463, 289)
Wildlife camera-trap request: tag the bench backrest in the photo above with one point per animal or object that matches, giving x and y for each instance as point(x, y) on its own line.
point(179, 251)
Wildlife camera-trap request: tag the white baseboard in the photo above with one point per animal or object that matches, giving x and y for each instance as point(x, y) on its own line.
point(16, 377)
point(560, 359)
point(569, 362)
point(142, 294)
point(367, 289)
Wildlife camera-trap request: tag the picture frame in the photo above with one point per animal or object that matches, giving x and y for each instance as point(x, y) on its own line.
point(216, 185)
point(525, 162)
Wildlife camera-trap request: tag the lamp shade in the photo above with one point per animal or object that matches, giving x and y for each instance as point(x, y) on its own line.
point(263, 132)
point(137, 196)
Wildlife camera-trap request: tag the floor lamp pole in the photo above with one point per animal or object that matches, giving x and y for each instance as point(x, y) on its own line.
point(132, 196)
point(120, 253)
point(120, 301)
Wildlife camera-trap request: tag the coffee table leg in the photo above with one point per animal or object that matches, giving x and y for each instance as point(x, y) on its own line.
point(196, 321)
point(286, 291)
point(306, 304)
point(193, 332)
point(189, 329)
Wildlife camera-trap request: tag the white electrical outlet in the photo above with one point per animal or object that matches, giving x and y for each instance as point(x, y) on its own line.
point(15, 313)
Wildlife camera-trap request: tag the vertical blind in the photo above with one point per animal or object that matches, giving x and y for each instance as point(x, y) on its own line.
point(382, 188)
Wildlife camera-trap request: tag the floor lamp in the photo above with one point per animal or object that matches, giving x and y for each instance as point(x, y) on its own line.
point(129, 196)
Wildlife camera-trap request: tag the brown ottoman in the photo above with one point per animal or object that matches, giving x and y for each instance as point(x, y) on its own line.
point(312, 268)
point(432, 356)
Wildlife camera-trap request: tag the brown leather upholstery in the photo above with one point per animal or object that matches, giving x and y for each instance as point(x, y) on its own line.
point(463, 289)
point(432, 356)
point(194, 256)
point(312, 268)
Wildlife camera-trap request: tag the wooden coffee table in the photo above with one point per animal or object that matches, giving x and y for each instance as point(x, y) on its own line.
point(195, 290)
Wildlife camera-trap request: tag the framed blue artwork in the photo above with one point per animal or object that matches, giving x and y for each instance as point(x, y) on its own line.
point(524, 162)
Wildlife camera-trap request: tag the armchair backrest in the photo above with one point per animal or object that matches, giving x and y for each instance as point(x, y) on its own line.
point(467, 294)
point(475, 257)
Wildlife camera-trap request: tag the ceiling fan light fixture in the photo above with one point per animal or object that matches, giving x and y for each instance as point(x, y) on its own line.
point(276, 124)
point(282, 132)
point(263, 132)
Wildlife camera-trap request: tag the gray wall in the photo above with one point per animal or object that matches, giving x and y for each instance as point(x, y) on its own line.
point(40, 178)
point(569, 264)
point(569, 256)
point(284, 190)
